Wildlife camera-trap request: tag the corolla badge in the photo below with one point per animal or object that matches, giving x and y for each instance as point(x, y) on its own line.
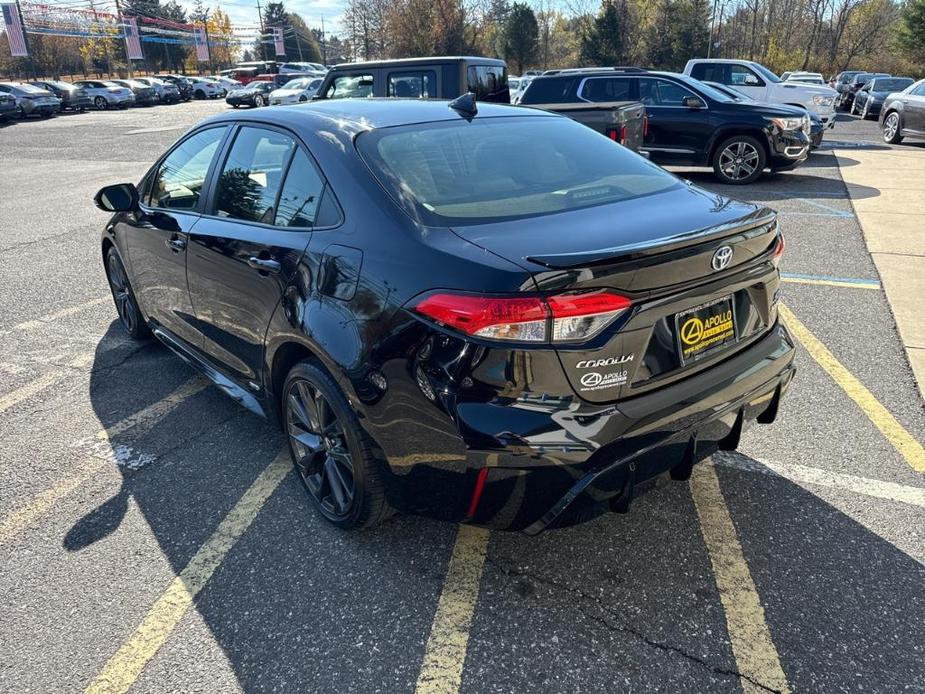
point(721, 258)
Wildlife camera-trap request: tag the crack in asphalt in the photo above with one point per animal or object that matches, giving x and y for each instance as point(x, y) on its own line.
point(622, 627)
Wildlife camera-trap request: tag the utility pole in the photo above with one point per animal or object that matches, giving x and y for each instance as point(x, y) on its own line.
point(298, 44)
point(122, 24)
point(25, 40)
point(260, 44)
point(205, 28)
point(324, 44)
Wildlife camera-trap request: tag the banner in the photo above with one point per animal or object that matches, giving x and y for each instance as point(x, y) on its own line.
point(278, 40)
point(202, 44)
point(14, 31)
point(132, 43)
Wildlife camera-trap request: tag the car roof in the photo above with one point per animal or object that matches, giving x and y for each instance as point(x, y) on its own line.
point(373, 113)
point(419, 61)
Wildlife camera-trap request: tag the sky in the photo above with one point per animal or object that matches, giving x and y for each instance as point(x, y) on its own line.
point(244, 12)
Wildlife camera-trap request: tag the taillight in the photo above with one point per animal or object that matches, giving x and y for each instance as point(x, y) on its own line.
point(617, 134)
point(778, 251)
point(572, 317)
point(645, 125)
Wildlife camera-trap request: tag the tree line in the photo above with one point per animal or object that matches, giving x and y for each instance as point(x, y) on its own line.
point(819, 35)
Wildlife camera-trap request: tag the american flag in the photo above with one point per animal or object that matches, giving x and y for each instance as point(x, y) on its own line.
point(202, 45)
point(132, 43)
point(14, 30)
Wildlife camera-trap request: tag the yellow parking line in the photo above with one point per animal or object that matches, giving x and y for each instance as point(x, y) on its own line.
point(832, 283)
point(142, 421)
point(41, 383)
point(445, 653)
point(909, 448)
point(57, 315)
point(756, 657)
point(126, 665)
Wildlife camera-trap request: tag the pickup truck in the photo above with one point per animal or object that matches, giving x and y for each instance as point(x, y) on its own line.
point(622, 120)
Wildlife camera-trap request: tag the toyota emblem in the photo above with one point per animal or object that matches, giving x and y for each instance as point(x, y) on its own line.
point(722, 257)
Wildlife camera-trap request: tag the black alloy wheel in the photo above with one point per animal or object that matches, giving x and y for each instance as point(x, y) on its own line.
point(892, 128)
point(331, 453)
point(739, 160)
point(126, 305)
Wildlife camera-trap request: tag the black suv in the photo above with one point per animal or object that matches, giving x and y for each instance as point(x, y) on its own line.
point(689, 122)
point(182, 83)
point(444, 77)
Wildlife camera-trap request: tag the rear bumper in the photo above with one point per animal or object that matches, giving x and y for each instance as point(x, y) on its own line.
point(567, 461)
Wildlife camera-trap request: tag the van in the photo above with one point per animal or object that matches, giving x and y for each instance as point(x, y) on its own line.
point(422, 78)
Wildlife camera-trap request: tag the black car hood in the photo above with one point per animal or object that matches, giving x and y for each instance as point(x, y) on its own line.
point(673, 218)
point(771, 110)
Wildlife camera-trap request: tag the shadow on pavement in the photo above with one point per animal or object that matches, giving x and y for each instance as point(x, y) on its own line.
point(299, 604)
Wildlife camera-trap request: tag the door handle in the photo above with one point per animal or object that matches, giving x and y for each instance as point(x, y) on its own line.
point(263, 264)
point(176, 244)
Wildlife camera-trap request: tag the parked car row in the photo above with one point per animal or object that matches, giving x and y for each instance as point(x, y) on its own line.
point(47, 97)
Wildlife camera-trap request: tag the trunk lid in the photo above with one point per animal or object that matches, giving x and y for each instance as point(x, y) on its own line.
point(661, 252)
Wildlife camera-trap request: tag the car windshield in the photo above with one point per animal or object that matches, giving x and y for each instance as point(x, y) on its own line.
point(496, 169)
point(253, 86)
point(890, 85)
point(300, 83)
point(705, 89)
point(767, 74)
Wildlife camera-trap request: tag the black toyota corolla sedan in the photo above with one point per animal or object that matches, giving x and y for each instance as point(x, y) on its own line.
point(499, 317)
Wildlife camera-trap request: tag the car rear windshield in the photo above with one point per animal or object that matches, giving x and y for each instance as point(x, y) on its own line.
point(494, 169)
point(891, 85)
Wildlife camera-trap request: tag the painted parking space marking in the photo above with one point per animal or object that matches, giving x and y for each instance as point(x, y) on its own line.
point(44, 381)
point(445, 653)
point(807, 475)
point(123, 669)
point(906, 444)
point(50, 318)
point(827, 280)
point(141, 422)
point(756, 656)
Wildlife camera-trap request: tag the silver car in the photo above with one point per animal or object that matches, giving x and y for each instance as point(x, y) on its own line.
point(167, 93)
point(31, 100)
point(296, 91)
point(106, 94)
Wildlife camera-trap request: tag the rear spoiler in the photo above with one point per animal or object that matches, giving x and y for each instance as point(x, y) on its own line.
point(762, 222)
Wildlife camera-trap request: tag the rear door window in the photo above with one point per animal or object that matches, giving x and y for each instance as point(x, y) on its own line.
point(601, 89)
point(252, 174)
point(350, 86)
point(298, 202)
point(709, 72)
point(412, 85)
point(178, 183)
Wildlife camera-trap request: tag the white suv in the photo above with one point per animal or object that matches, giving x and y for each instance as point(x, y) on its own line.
point(761, 84)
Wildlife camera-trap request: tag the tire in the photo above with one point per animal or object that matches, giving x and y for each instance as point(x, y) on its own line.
point(739, 160)
point(100, 103)
point(331, 453)
point(124, 298)
point(199, 94)
point(892, 128)
point(235, 105)
point(258, 100)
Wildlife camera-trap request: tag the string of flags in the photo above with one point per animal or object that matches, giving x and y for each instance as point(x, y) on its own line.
point(91, 23)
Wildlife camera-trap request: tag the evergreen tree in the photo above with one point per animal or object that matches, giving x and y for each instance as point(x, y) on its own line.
point(912, 30)
point(603, 43)
point(520, 36)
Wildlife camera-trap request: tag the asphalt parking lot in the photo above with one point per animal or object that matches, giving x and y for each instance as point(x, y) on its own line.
point(152, 538)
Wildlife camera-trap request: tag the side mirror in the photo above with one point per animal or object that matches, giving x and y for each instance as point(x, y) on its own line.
point(122, 197)
point(691, 102)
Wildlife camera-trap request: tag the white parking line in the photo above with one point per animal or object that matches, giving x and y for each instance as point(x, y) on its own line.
point(803, 474)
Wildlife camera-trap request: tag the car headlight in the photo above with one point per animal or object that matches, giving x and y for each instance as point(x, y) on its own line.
point(789, 123)
point(820, 100)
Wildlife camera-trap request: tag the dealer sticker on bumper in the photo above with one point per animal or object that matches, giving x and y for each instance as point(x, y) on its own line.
point(705, 328)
